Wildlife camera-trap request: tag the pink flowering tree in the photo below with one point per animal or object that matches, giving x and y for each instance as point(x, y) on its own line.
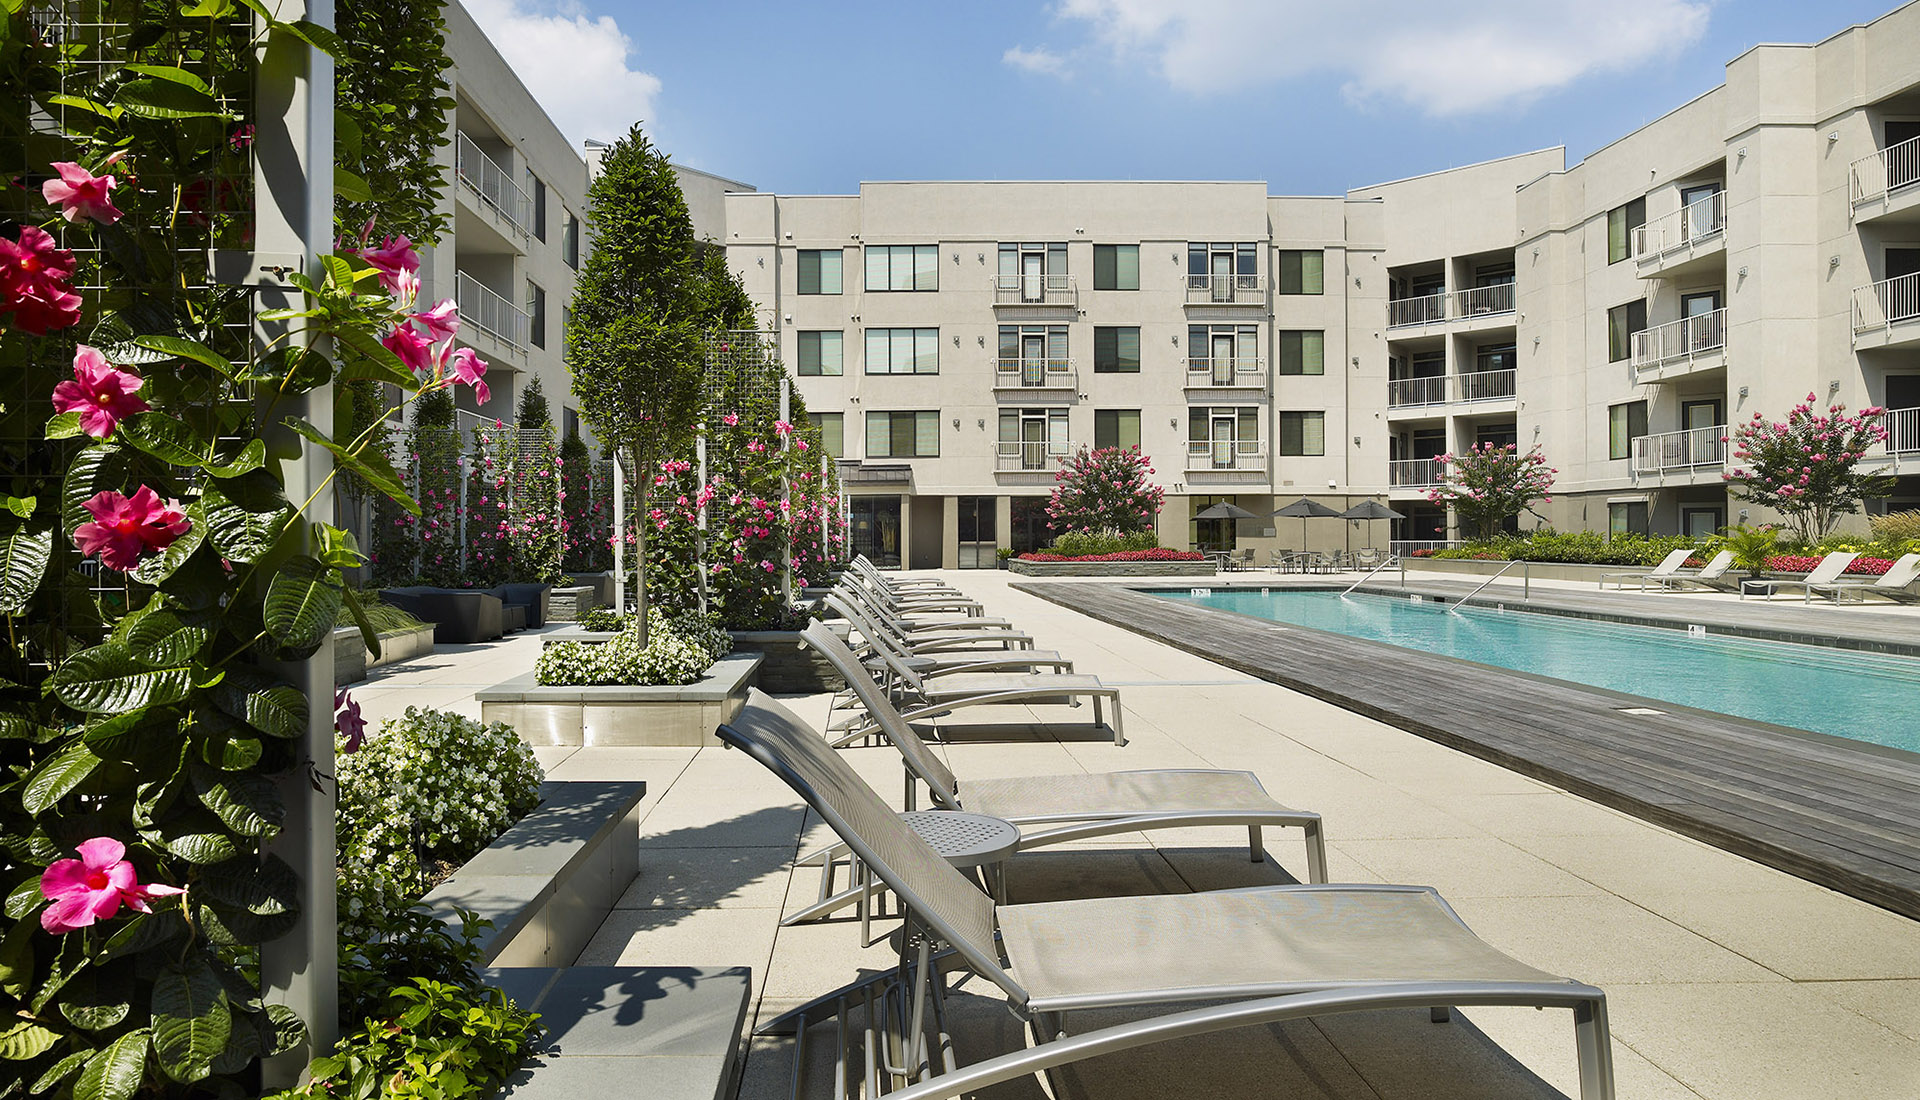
point(1806, 466)
point(1490, 482)
point(1110, 489)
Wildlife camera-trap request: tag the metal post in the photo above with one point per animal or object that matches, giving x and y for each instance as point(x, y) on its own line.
point(461, 467)
point(786, 495)
point(700, 525)
point(293, 150)
point(619, 536)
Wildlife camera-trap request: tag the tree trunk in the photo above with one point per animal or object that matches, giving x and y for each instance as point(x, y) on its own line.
point(640, 520)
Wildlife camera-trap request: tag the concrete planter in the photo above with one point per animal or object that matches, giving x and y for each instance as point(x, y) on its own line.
point(789, 668)
point(578, 634)
point(623, 714)
point(549, 882)
point(352, 661)
point(1111, 568)
point(601, 583)
point(568, 603)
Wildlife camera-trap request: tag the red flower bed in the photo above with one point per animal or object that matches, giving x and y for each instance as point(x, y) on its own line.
point(1158, 554)
point(1799, 563)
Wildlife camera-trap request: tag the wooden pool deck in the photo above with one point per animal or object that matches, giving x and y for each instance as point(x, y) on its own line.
point(1840, 813)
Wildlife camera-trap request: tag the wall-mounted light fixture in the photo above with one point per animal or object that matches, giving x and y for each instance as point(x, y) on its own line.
point(788, 318)
point(1173, 422)
point(1833, 387)
point(1743, 272)
point(1740, 153)
point(1833, 262)
point(762, 261)
point(981, 256)
point(788, 234)
point(1175, 338)
point(1356, 362)
point(1356, 282)
point(1079, 229)
point(1833, 136)
point(981, 423)
point(956, 423)
point(980, 340)
point(1356, 441)
point(1536, 252)
point(1536, 343)
point(1743, 391)
point(956, 257)
point(956, 341)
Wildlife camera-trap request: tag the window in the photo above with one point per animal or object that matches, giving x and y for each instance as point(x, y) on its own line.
point(1303, 433)
point(1303, 352)
point(1495, 357)
point(1625, 423)
point(820, 270)
point(569, 421)
point(833, 432)
point(1302, 271)
point(1621, 222)
point(566, 329)
point(1223, 355)
point(570, 241)
point(822, 353)
point(1223, 437)
point(1033, 439)
point(1116, 350)
point(1222, 268)
point(1627, 517)
point(903, 434)
point(903, 267)
point(1622, 322)
point(1116, 267)
point(903, 351)
point(1116, 428)
point(536, 314)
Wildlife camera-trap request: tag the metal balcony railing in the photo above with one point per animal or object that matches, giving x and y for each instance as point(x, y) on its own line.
point(1679, 341)
point(1886, 303)
point(1225, 290)
point(1226, 454)
point(1035, 374)
point(482, 308)
point(1415, 473)
point(1680, 452)
point(1417, 311)
point(491, 183)
point(1442, 389)
point(1691, 224)
point(1405, 393)
point(1484, 385)
point(1481, 301)
point(1239, 370)
point(1034, 290)
point(1040, 455)
point(1407, 548)
point(1903, 430)
point(1880, 174)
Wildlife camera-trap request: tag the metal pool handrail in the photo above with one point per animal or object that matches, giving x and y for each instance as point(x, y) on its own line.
point(1526, 586)
point(1392, 560)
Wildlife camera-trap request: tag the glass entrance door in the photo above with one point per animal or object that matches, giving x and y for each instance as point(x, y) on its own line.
point(875, 529)
point(977, 532)
point(1033, 276)
point(1033, 360)
point(1222, 272)
point(1223, 442)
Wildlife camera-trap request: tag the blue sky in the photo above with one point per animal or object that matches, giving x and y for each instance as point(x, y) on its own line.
point(1313, 96)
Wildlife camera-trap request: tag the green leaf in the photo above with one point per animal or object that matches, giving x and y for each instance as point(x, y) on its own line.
point(191, 1020)
point(16, 948)
point(88, 1006)
point(275, 709)
point(315, 35)
point(349, 187)
point(169, 72)
point(19, 506)
point(60, 1071)
point(369, 637)
point(251, 458)
point(163, 637)
point(23, 561)
point(25, 1040)
point(370, 359)
point(303, 601)
point(57, 776)
point(339, 270)
point(146, 931)
point(16, 727)
point(165, 437)
point(152, 97)
point(115, 1072)
point(289, 1030)
point(105, 110)
point(159, 567)
point(337, 547)
point(248, 804)
point(245, 515)
point(372, 468)
point(202, 848)
point(181, 348)
point(94, 470)
point(268, 888)
point(23, 899)
point(63, 425)
point(108, 680)
point(208, 9)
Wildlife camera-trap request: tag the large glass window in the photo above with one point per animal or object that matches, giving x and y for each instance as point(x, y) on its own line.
point(1223, 355)
point(903, 434)
point(1621, 222)
point(833, 432)
point(1116, 349)
point(903, 351)
point(903, 267)
point(1495, 357)
point(570, 241)
point(1302, 271)
point(1627, 517)
point(536, 314)
point(1222, 268)
point(1116, 267)
point(1116, 428)
point(820, 270)
point(1223, 437)
point(1622, 322)
point(1625, 423)
point(822, 353)
point(1303, 352)
point(537, 191)
point(1033, 439)
point(1303, 433)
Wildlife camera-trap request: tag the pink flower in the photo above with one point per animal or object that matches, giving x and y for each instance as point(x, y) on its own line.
point(347, 721)
point(126, 529)
point(101, 395)
point(33, 282)
point(730, 419)
point(414, 350)
point(466, 367)
point(94, 887)
point(242, 137)
point(782, 429)
point(442, 321)
point(81, 194)
point(395, 259)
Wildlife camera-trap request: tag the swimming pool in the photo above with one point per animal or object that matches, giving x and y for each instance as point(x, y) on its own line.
point(1848, 693)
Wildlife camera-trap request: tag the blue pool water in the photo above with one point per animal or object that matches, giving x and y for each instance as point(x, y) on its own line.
point(1863, 696)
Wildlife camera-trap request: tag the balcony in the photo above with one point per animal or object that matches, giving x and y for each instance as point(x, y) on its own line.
point(1684, 241)
point(1036, 457)
point(1881, 184)
point(1678, 348)
point(1884, 313)
point(1238, 372)
point(1226, 290)
point(1035, 290)
point(492, 185)
point(1229, 459)
point(1040, 376)
point(1902, 445)
point(1476, 303)
point(1424, 310)
point(1415, 474)
point(1444, 389)
point(484, 311)
point(1691, 455)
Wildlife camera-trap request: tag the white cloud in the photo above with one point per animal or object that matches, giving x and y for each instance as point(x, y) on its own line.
point(1037, 60)
point(1443, 59)
point(575, 65)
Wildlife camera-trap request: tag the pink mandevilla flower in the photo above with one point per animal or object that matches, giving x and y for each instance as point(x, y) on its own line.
point(470, 369)
point(441, 322)
point(347, 721)
point(126, 529)
point(102, 395)
point(81, 194)
point(414, 350)
point(33, 282)
point(393, 259)
point(94, 887)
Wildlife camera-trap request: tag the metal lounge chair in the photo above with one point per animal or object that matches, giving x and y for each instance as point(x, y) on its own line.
point(876, 637)
point(923, 636)
point(1711, 575)
point(1893, 584)
point(910, 619)
point(931, 697)
point(1254, 957)
point(863, 566)
point(1823, 577)
point(1668, 568)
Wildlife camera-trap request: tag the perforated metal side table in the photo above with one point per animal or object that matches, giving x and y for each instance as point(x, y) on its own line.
point(970, 842)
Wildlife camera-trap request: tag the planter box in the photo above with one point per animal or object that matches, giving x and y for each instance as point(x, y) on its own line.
point(549, 882)
point(402, 645)
point(790, 668)
point(352, 661)
point(567, 603)
point(1111, 568)
point(349, 656)
point(623, 714)
point(601, 583)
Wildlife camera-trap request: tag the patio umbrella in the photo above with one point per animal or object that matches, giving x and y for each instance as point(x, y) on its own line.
point(1371, 509)
point(1306, 510)
point(1223, 510)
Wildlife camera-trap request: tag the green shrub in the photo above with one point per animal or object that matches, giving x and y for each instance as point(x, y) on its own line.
point(1896, 527)
point(1572, 547)
point(679, 650)
point(385, 617)
point(1074, 544)
point(602, 618)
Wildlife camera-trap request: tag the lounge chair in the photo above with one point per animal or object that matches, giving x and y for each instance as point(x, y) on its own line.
point(1824, 577)
point(1893, 584)
point(1668, 568)
point(875, 636)
point(1249, 957)
point(1711, 575)
point(913, 626)
point(863, 566)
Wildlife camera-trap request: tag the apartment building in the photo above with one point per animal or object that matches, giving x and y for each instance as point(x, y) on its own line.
point(960, 339)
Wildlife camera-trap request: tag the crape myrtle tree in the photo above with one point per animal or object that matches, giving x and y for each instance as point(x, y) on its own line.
point(645, 295)
point(1105, 490)
point(1489, 482)
point(1804, 467)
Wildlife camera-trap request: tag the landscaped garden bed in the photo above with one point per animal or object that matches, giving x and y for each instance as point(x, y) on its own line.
point(1037, 566)
point(623, 714)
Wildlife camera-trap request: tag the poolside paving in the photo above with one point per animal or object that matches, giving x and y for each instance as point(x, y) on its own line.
point(1726, 978)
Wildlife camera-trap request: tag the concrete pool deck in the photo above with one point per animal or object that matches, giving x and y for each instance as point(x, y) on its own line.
point(1726, 979)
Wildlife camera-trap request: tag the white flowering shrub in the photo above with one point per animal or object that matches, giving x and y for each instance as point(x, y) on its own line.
point(430, 786)
point(679, 650)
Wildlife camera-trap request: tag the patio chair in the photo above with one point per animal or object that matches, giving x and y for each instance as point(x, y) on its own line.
point(1894, 584)
point(931, 641)
point(1251, 957)
point(864, 567)
point(1668, 568)
point(875, 636)
point(1824, 577)
point(913, 625)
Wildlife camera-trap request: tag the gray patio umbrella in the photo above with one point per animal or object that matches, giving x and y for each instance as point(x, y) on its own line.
point(1371, 509)
point(1224, 510)
point(1306, 510)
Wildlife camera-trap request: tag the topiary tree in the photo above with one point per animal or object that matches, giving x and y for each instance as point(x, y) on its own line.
point(536, 524)
point(1491, 482)
point(1105, 490)
point(583, 526)
point(1804, 467)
